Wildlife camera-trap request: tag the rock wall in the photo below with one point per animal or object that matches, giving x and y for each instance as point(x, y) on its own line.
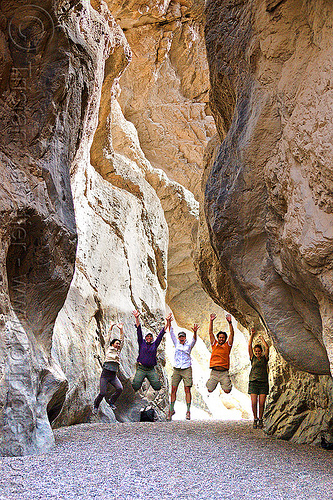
point(48, 72)
point(300, 405)
point(136, 204)
point(268, 196)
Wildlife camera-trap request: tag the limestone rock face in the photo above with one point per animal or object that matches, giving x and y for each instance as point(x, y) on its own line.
point(300, 405)
point(164, 93)
point(136, 207)
point(268, 198)
point(121, 260)
point(46, 87)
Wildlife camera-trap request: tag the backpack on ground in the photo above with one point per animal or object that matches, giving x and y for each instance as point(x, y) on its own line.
point(148, 414)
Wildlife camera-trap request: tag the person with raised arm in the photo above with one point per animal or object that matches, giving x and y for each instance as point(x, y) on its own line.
point(220, 357)
point(147, 361)
point(182, 367)
point(258, 378)
point(110, 369)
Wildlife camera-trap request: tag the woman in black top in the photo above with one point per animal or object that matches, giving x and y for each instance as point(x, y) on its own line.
point(258, 379)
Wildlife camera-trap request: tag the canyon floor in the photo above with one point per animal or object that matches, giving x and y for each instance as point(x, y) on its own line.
point(179, 460)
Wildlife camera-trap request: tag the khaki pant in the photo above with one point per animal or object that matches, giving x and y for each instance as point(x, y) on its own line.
point(143, 372)
point(216, 377)
point(179, 374)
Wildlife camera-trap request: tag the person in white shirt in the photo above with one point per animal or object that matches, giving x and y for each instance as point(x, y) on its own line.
point(182, 369)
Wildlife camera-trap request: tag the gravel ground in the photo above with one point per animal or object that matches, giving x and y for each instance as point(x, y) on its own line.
point(210, 460)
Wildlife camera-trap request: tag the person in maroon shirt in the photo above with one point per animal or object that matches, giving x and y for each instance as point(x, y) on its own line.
point(146, 361)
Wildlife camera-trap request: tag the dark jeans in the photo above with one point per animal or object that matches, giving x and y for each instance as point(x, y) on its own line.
point(108, 377)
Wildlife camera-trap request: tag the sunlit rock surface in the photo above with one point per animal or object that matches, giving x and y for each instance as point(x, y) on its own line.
point(268, 197)
point(138, 207)
point(121, 260)
point(164, 93)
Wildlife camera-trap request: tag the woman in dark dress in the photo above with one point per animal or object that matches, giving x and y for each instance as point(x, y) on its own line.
point(258, 379)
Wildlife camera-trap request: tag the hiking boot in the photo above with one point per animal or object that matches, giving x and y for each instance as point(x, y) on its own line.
point(112, 406)
point(95, 410)
point(255, 423)
point(188, 415)
point(260, 423)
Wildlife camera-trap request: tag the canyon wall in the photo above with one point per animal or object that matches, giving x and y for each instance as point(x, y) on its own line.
point(48, 73)
point(110, 101)
point(268, 196)
point(135, 195)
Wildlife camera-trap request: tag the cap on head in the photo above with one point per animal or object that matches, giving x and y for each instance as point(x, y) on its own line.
point(149, 333)
point(181, 334)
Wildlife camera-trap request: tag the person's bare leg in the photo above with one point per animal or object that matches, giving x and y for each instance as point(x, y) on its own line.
point(188, 398)
point(262, 399)
point(254, 404)
point(172, 401)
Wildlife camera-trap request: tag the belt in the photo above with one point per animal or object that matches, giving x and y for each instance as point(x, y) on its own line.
point(219, 368)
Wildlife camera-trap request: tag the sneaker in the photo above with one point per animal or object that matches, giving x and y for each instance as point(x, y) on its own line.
point(112, 406)
point(260, 423)
point(255, 423)
point(188, 415)
point(95, 410)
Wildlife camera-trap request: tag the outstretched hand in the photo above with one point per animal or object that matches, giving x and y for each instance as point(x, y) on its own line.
point(212, 316)
point(228, 318)
point(253, 331)
point(195, 327)
point(136, 314)
point(169, 318)
point(120, 326)
point(112, 325)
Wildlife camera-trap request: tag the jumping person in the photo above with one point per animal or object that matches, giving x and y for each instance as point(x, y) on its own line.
point(146, 361)
point(110, 368)
point(182, 369)
point(258, 379)
point(220, 357)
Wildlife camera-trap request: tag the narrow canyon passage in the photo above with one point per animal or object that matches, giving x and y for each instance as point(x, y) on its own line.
point(212, 460)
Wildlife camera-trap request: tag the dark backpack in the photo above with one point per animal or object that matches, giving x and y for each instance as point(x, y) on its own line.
point(148, 414)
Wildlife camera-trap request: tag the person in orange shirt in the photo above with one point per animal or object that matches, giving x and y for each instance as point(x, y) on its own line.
point(220, 357)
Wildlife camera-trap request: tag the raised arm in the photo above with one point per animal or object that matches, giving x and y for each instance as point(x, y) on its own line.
point(168, 320)
point(211, 329)
point(231, 330)
point(266, 346)
point(136, 315)
point(195, 334)
point(108, 337)
point(252, 334)
point(121, 330)
point(160, 336)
